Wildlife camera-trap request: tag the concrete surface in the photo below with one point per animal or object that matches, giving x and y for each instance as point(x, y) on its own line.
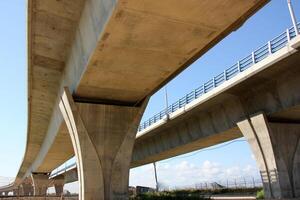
point(59, 183)
point(277, 151)
point(271, 86)
point(93, 46)
point(75, 48)
point(41, 183)
point(103, 137)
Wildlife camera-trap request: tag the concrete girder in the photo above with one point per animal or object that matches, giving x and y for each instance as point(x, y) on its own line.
point(103, 137)
point(277, 152)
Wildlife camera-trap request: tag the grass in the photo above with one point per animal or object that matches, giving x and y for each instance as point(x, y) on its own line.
point(168, 196)
point(193, 194)
point(260, 194)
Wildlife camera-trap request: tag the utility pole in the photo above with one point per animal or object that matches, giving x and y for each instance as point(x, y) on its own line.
point(167, 102)
point(292, 14)
point(155, 173)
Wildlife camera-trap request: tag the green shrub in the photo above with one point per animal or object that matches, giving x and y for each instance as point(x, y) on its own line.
point(260, 194)
point(191, 194)
point(168, 196)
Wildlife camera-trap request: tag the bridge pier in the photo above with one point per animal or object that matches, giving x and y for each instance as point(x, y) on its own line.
point(59, 183)
point(277, 152)
point(16, 192)
point(103, 137)
point(27, 189)
point(21, 191)
point(40, 183)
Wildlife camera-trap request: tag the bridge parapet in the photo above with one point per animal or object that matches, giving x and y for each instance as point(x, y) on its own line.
point(287, 37)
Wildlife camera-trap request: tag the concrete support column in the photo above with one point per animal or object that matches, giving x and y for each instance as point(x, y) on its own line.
point(277, 152)
point(40, 183)
point(21, 191)
point(6, 193)
point(59, 183)
point(16, 192)
point(103, 137)
point(27, 189)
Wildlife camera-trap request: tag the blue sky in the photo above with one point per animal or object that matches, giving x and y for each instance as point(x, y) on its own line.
point(229, 161)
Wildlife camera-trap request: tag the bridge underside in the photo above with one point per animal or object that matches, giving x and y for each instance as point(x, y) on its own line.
point(274, 91)
point(265, 108)
point(114, 53)
point(137, 44)
point(269, 120)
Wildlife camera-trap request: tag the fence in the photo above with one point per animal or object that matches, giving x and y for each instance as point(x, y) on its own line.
point(256, 56)
point(239, 183)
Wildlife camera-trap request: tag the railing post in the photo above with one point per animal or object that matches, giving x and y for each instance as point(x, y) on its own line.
point(186, 99)
point(239, 66)
point(216, 80)
point(288, 35)
point(253, 57)
point(270, 47)
point(293, 17)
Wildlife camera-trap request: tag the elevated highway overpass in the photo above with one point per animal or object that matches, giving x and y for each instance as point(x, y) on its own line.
point(84, 60)
point(259, 91)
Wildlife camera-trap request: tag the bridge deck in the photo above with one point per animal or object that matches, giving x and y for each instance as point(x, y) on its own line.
point(102, 49)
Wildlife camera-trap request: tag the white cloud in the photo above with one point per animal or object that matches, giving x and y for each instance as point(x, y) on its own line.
point(184, 174)
point(6, 180)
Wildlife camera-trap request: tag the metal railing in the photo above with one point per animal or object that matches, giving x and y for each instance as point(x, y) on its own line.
point(66, 168)
point(256, 56)
point(233, 183)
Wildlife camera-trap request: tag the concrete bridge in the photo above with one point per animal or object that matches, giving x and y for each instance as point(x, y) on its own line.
point(82, 102)
point(226, 112)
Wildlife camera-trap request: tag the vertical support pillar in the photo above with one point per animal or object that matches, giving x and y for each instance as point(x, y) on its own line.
point(40, 183)
point(6, 193)
point(27, 189)
point(21, 191)
point(16, 192)
point(277, 152)
point(59, 183)
point(103, 137)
